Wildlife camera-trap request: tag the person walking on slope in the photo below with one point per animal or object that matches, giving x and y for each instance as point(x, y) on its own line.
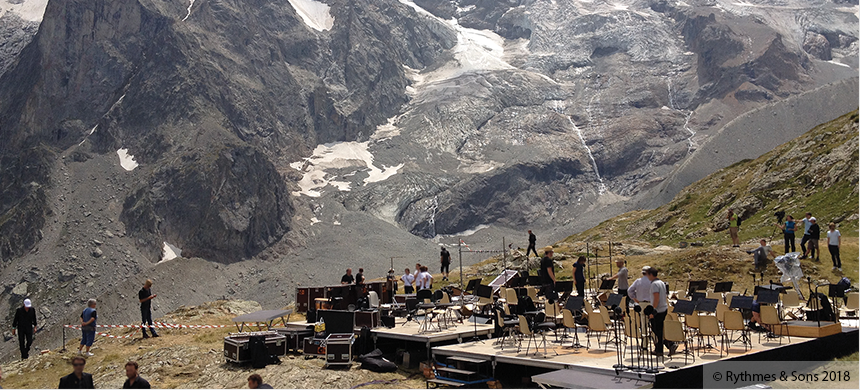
point(445, 259)
point(733, 228)
point(834, 242)
point(24, 324)
point(788, 229)
point(532, 242)
point(814, 234)
point(145, 296)
point(88, 326)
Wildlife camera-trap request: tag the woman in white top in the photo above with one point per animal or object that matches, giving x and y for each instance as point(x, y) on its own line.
point(834, 241)
point(408, 279)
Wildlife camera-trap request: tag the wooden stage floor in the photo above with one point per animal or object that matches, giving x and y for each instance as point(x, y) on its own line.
point(409, 331)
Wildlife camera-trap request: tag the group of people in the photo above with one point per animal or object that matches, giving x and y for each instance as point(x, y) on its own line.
point(79, 379)
point(789, 228)
point(417, 280)
point(649, 290)
point(811, 236)
point(347, 278)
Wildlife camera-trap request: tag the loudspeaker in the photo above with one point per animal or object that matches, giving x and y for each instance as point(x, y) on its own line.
point(312, 315)
point(388, 321)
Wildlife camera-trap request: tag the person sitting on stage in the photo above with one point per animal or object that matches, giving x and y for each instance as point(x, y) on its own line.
point(579, 275)
point(640, 290)
point(407, 279)
point(623, 284)
point(347, 278)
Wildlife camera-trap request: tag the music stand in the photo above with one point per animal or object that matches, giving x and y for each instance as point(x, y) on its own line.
point(534, 280)
point(524, 274)
point(472, 285)
point(565, 288)
point(684, 307)
point(835, 292)
point(722, 287)
point(614, 300)
point(741, 302)
point(707, 305)
point(698, 296)
point(696, 285)
point(606, 284)
point(574, 304)
point(767, 296)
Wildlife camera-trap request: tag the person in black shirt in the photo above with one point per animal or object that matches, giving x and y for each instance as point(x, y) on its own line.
point(134, 380)
point(547, 273)
point(532, 241)
point(814, 234)
point(78, 379)
point(579, 276)
point(445, 259)
point(347, 278)
point(24, 324)
point(359, 277)
point(145, 297)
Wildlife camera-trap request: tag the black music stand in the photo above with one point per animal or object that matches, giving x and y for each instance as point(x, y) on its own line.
point(723, 287)
point(741, 302)
point(472, 285)
point(707, 305)
point(696, 285)
point(574, 304)
point(698, 296)
point(767, 296)
point(607, 284)
point(614, 300)
point(534, 280)
point(684, 307)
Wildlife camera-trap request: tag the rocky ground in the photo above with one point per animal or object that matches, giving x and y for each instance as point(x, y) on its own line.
point(193, 359)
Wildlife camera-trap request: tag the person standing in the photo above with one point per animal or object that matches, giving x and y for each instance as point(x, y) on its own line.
point(24, 324)
point(788, 229)
point(408, 280)
point(814, 235)
point(88, 327)
point(621, 276)
point(579, 275)
point(733, 228)
point(806, 225)
point(640, 290)
point(834, 242)
point(660, 303)
point(532, 242)
point(78, 379)
point(359, 277)
point(547, 272)
point(425, 277)
point(347, 278)
point(134, 380)
point(145, 296)
point(445, 259)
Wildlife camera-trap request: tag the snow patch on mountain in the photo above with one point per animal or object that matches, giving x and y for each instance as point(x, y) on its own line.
point(315, 14)
point(169, 252)
point(126, 161)
point(353, 157)
point(30, 10)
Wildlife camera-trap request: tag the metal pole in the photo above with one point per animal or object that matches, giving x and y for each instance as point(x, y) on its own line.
point(460, 252)
point(504, 255)
point(610, 257)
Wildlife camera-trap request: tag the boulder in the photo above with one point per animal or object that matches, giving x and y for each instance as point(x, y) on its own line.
point(20, 290)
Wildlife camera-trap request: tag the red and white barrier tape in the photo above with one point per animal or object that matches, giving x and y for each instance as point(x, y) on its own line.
point(159, 325)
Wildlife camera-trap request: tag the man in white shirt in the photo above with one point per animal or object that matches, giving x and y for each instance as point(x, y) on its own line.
point(408, 279)
point(424, 279)
point(806, 224)
point(640, 290)
point(834, 242)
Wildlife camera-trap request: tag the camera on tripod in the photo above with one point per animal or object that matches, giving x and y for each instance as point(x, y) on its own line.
point(779, 215)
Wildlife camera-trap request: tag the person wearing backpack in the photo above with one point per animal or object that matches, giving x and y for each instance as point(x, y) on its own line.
point(734, 224)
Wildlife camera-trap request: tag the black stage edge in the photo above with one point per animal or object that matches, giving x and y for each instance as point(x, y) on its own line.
point(821, 349)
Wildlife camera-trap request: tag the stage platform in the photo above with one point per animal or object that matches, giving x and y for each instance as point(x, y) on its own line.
point(409, 332)
point(810, 329)
point(596, 365)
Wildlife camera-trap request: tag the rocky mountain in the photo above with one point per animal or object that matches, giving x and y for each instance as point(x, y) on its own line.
point(239, 147)
point(815, 172)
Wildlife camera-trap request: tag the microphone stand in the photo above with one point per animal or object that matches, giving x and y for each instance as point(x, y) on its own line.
point(652, 359)
point(619, 358)
point(637, 318)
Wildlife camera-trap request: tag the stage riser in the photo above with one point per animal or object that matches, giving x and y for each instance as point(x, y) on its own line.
point(812, 330)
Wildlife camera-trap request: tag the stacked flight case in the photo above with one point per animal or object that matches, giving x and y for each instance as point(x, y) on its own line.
point(237, 347)
point(338, 349)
